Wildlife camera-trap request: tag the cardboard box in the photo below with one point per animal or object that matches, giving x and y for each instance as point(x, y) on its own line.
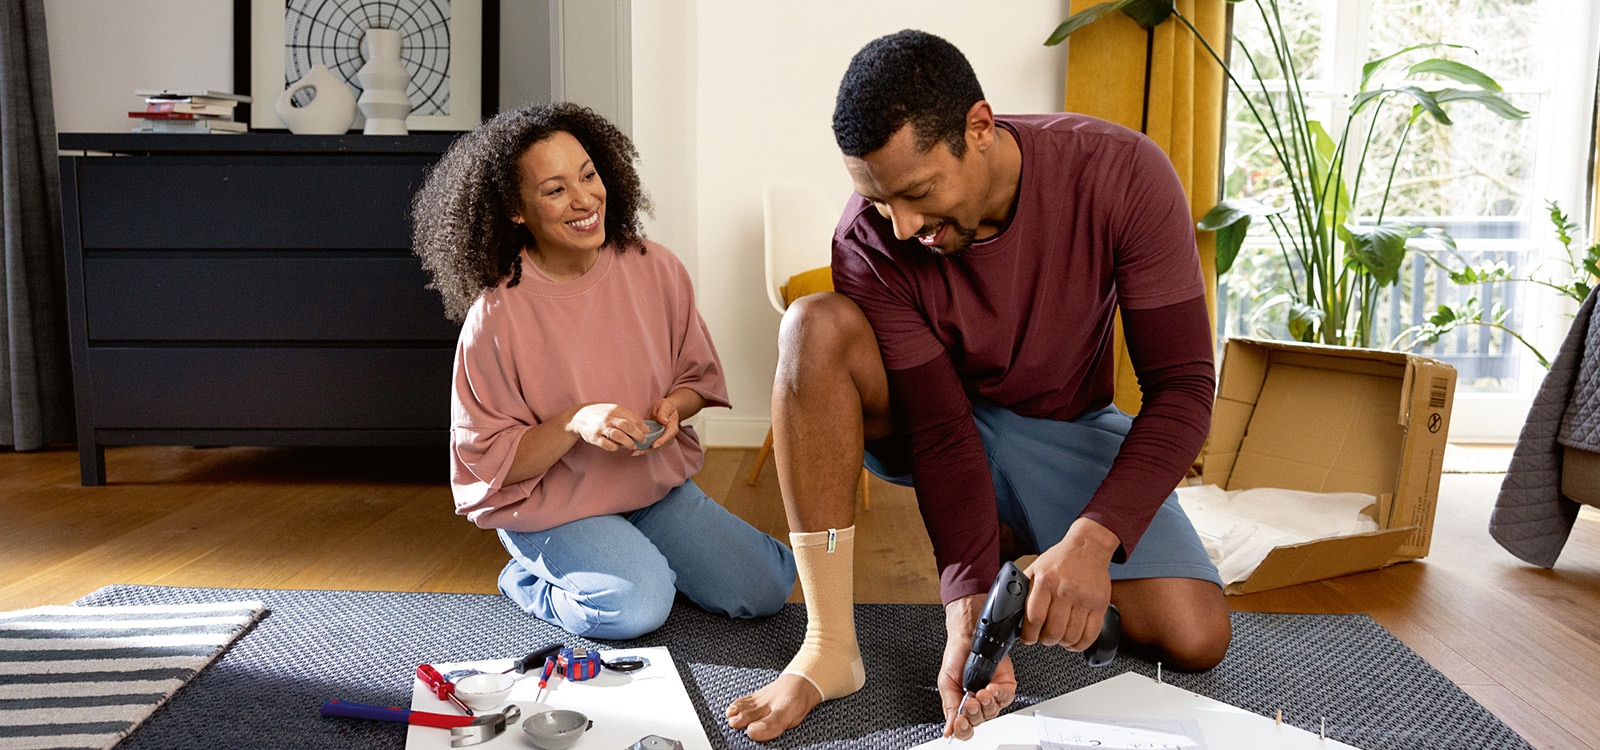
point(1332, 419)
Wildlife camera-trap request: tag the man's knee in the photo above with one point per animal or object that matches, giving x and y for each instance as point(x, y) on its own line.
point(1184, 621)
point(821, 328)
point(1200, 645)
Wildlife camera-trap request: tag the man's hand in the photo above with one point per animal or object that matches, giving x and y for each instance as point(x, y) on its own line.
point(608, 426)
point(960, 620)
point(1071, 586)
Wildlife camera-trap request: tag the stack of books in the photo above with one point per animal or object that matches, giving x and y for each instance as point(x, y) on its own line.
point(188, 111)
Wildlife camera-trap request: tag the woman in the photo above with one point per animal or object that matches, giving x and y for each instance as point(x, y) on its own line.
point(575, 331)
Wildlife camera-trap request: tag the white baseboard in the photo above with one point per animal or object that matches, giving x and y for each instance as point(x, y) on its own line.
point(731, 433)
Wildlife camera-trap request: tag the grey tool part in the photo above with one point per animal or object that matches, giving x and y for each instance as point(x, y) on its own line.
point(486, 727)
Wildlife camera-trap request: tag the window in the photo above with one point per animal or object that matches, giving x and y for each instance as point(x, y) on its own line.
point(1485, 180)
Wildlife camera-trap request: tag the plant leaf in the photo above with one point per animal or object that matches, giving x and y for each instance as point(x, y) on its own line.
point(1149, 13)
point(1373, 65)
point(1084, 18)
point(1229, 240)
point(1231, 221)
point(1493, 102)
point(1305, 321)
point(1442, 237)
point(1379, 249)
point(1427, 101)
point(1485, 272)
point(1461, 72)
point(1326, 152)
point(1228, 212)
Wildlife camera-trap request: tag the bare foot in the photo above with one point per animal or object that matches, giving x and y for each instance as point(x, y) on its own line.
point(774, 709)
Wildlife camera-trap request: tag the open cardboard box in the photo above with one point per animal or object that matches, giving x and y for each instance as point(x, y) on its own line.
point(1331, 419)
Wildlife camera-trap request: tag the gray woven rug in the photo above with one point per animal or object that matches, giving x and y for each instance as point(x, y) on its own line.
point(363, 646)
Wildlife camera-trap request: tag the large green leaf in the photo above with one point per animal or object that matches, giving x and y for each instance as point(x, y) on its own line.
point(1456, 71)
point(1426, 100)
point(1331, 195)
point(1379, 249)
point(1493, 102)
point(1374, 65)
point(1084, 18)
point(1305, 321)
point(1147, 13)
point(1231, 221)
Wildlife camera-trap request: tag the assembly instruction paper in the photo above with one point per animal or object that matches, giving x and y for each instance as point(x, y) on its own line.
point(1117, 733)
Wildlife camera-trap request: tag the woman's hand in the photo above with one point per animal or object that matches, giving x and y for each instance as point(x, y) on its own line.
point(665, 413)
point(611, 427)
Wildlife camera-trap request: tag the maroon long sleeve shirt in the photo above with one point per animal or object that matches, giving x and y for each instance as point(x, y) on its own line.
point(1025, 320)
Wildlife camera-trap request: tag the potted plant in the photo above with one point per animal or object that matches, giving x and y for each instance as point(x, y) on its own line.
point(1339, 256)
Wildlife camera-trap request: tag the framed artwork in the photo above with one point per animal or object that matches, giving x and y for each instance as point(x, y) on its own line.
point(450, 48)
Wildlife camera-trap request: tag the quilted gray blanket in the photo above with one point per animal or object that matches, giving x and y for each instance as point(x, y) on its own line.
point(1531, 518)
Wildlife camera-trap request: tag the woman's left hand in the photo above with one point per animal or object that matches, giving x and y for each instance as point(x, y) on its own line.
point(664, 413)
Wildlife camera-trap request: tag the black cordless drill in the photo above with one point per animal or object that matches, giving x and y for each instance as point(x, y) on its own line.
point(1001, 624)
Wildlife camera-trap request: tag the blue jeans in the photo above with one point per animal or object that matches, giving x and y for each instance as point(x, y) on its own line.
point(615, 576)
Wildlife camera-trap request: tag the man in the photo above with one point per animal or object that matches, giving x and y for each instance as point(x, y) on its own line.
point(970, 346)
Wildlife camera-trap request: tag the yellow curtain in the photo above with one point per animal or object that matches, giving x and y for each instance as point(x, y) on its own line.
point(1106, 79)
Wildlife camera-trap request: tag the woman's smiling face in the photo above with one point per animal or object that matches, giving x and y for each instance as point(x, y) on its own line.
point(563, 197)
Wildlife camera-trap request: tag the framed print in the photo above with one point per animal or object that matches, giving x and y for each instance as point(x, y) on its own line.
point(449, 47)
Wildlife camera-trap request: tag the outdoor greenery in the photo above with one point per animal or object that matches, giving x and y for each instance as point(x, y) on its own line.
point(1341, 205)
point(1575, 282)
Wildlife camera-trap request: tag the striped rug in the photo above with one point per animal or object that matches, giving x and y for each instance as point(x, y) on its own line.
point(84, 677)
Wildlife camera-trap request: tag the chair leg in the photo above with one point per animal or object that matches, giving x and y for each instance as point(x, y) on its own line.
point(866, 492)
point(761, 459)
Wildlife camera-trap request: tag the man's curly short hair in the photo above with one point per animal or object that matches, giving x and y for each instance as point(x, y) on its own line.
point(909, 76)
point(461, 217)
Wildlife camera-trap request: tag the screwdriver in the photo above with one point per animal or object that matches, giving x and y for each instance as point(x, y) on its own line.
point(445, 689)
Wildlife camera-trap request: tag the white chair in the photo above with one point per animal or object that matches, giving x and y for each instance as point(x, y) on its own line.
point(798, 220)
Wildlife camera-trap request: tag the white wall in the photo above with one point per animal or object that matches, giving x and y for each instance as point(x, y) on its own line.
point(101, 50)
point(729, 94)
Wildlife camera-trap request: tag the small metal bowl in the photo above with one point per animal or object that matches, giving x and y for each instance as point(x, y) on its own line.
point(556, 730)
point(484, 691)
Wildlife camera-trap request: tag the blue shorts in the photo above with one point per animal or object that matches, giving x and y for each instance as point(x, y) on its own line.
point(1045, 472)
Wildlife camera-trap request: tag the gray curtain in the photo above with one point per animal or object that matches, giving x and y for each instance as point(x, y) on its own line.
point(35, 371)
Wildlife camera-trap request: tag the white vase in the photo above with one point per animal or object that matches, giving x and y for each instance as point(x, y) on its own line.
point(384, 81)
point(331, 110)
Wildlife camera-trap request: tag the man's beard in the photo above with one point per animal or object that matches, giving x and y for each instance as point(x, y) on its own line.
point(964, 239)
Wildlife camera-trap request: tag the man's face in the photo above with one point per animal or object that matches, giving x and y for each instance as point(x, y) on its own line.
point(928, 195)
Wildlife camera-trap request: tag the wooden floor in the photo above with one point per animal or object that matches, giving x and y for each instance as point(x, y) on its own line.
point(1522, 641)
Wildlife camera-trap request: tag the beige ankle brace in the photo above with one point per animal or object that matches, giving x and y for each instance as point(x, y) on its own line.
point(829, 658)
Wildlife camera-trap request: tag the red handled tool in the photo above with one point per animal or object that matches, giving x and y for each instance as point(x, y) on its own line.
point(544, 677)
point(445, 689)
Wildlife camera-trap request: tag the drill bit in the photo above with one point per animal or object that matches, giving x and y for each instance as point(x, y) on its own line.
point(959, 706)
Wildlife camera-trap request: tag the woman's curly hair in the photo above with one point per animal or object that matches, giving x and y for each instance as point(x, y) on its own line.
point(461, 217)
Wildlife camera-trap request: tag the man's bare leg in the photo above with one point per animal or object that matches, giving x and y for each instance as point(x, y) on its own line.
point(830, 393)
point(1182, 621)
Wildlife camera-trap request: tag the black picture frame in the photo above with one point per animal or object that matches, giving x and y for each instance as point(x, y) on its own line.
point(243, 72)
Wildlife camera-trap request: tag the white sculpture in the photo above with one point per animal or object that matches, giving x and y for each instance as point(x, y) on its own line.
point(331, 110)
point(384, 81)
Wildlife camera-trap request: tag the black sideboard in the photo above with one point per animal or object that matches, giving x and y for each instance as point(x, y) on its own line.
point(254, 289)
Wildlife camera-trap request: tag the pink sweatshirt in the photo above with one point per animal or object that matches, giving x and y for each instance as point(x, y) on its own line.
point(626, 332)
